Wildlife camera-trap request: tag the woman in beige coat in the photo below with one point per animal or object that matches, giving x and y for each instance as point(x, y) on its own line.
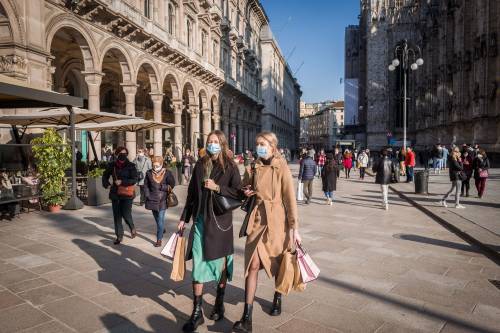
point(272, 227)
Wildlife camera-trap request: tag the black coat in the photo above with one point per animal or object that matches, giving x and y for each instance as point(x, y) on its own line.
point(480, 164)
point(384, 168)
point(329, 177)
point(156, 193)
point(127, 174)
point(216, 243)
point(455, 167)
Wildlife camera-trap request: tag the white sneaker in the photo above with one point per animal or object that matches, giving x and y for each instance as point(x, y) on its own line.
point(328, 201)
point(331, 202)
point(443, 203)
point(386, 206)
point(459, 206)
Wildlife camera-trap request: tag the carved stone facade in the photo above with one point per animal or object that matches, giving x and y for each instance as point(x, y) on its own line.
point(195, 63)
point(454, 96)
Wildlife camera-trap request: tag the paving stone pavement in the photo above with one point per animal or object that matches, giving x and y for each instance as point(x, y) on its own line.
point(381, 271)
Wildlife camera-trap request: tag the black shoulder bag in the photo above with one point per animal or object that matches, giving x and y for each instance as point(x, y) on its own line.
point(223, 204)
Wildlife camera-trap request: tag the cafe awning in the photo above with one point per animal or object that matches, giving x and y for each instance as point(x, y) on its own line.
point(126, 125)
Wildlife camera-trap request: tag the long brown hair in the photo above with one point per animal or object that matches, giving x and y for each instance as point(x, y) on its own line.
point(223, 159)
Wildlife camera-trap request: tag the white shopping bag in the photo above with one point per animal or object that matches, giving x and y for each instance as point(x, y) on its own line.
point(308, 269)
point(300, 191)
point(169, 249)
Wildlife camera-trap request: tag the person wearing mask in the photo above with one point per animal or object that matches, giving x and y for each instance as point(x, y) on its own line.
point(306, 175)
point(363, 164)
point(187, 163)
point(157, 183)
point(347, 162)
point(481, 166)
point(329, 178)
point(467, 164)
point(143, 165)
point(456, 168)
point(409, 164)
point(123, 173)
point(339, 159)
point(384, 169)
point(321, 161)
point(273, 223)
point(210, 244)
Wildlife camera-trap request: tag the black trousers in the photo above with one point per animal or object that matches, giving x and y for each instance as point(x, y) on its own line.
point(465, 186)
point(362, 173)
point(122, 209)
point(143, 194)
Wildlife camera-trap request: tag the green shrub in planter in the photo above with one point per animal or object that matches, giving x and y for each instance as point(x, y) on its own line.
point(53, 157)
point(96, 173)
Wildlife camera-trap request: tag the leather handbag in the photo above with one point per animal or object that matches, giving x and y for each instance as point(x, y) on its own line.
point(483, 173)
point(223, 204)
point(172, 200)
point(248, 206)
point(122, 190)
point(462, 175)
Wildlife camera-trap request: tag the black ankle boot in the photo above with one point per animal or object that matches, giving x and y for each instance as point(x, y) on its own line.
point(218, 310)
point(245, 323)
point(196, 317)
point(276, 308)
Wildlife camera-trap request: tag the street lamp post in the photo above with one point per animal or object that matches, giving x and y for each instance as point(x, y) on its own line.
point(406, 52)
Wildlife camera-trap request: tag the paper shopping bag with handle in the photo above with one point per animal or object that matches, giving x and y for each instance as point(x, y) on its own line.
point(169, 249)
point(284, 283)
point(179, 263)
point(298, 284)
point(309, 271)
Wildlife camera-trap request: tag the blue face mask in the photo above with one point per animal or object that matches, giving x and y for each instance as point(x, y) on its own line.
point(213, 148)
point(261, 151)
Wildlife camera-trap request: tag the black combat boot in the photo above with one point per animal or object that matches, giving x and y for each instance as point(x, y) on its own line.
point(196, 317)
point(218, 310)
point(276, 308)
point(245, 324)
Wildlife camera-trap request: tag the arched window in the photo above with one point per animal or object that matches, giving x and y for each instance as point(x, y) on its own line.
point(189, 32)
point(171, 19)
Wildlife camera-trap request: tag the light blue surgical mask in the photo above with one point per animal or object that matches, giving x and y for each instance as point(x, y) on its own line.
point(261, 151)
point(213, 148)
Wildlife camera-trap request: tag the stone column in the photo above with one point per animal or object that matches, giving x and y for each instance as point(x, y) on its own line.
point(130, 137)
point(93, 80)
point(240, 138)
point(158, 133)
point(195, 128)
point(177, 148)
point(216, 119)
point(207, 123)
point(225, 127)
point(233, 131)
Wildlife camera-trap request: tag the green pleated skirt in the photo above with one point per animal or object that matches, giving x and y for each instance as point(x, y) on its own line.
point(207, 270)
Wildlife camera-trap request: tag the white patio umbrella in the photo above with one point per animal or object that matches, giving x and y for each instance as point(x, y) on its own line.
point(126, 125)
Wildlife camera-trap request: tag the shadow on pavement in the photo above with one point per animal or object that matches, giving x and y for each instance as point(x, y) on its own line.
point(439, 242)
point(463, 200)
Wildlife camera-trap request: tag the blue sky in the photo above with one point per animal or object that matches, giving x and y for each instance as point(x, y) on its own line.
point(315, 28)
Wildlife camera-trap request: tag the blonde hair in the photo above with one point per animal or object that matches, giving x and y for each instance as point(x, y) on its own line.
point(272, 139)
point(157, 159)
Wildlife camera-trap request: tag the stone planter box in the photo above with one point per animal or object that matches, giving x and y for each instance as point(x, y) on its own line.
point(96, 194)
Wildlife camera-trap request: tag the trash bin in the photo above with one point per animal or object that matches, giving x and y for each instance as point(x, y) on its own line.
point(421, 181)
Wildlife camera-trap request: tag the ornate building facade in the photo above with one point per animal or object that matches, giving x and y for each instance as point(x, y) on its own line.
point(454, 96)
point(194, 63)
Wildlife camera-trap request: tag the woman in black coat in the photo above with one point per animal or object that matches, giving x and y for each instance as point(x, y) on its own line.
point(157, 183)
point(211, 238)
point(124, 174)
point(456, 170)
point(329, 178)
point(481, 166)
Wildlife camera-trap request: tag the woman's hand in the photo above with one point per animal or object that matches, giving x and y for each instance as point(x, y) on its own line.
point(181, 226)
point(247, 190)
point(210, 184)
point(118, 182)
point(296, 237)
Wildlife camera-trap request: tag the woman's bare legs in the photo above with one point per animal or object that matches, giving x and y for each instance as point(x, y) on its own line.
point(252, 277)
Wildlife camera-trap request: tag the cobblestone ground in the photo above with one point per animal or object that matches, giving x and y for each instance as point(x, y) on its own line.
point(382, 271)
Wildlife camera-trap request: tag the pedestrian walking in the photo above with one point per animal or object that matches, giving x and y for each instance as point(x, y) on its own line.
point(481, 166)
point(121, 193)
point(329, 178)
point(362, 163)
point(468, 170)
point(437, 156)
point(187, 164)
point(456, 177)
point(339, 159)
point(384, 169)
point(143, 165)
point(409, 164)
point(321, 161)
point(445, 158)
point(210, 244)
point(401, 160)
point(347, 158)
point(157, 184)
point(273, 223)
point(307, 172)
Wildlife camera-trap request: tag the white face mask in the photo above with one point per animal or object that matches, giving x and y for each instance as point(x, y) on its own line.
point(157, 168)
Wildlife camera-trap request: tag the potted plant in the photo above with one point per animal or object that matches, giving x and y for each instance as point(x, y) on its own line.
point(53, 156)
point(96, 193)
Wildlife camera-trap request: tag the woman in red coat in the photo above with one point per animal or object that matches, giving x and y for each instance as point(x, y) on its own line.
point(347, 162)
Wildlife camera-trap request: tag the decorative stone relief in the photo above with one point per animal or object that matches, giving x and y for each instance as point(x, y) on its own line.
point(13, 64)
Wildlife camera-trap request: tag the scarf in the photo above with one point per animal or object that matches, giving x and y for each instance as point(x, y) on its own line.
point(158, 175)
point(120, 164)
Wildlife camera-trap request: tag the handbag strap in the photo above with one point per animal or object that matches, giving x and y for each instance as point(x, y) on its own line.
point(215, 218)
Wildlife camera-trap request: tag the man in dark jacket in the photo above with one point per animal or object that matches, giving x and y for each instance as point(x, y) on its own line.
point(306, 174)
point(384, 168)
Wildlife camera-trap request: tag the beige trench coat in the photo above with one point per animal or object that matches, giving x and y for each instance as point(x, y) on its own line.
point(275, 213)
